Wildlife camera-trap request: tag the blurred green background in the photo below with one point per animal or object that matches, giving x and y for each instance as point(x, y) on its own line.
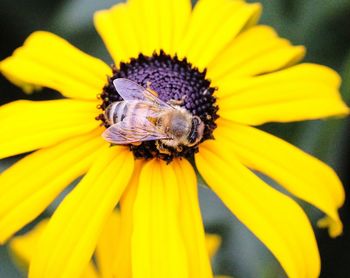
point(322, 26)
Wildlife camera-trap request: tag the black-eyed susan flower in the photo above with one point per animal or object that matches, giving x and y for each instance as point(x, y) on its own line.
point(22, 248)
point(228, 71)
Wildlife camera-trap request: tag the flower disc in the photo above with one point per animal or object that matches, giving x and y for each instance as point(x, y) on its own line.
point(173, 80)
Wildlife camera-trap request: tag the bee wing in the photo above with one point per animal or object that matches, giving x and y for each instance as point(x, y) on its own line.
point(143, 108)
point(130, 90)
point(141, 130)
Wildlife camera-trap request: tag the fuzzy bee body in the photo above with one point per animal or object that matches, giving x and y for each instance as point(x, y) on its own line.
point(142, 116)
point(118, 111)
point(115, 112)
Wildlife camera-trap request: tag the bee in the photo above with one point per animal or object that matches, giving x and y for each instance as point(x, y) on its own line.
point(142, 116)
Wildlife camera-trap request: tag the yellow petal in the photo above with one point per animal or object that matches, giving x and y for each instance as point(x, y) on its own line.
point(46, 60)
point(148, 23)
point(22, 248)
point(274, 218)
point(157, 246)
point(107, 244)
point(118, 31)
point(69, 241)
point(144, 15)
point(180, 12)
point(191, 220)
point(213, 243)
point(142, 26)
point(256, 51)
point(121, 260)
point(30, 125)
point(164, 22)
point(90, 271)
point(31, 184)
point(160, 24)
point(301, 174)
point(302, 92)
point(212, 26)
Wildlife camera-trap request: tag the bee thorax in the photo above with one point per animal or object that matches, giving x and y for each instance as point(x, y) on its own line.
point(179, 127)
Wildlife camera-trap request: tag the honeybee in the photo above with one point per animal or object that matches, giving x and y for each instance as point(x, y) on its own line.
point(142, 116)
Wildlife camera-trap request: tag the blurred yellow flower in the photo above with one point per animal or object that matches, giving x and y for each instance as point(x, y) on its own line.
point(231, 73)
point(22, 248)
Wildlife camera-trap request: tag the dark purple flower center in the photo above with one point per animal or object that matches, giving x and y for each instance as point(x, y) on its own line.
point(172, 79)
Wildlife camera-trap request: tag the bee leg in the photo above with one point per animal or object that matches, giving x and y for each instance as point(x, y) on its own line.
point(148, 87)
point(179, 149)
point(161, 148)
point(178, 101)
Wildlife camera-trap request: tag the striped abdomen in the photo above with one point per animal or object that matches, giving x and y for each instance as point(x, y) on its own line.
point(118, 111)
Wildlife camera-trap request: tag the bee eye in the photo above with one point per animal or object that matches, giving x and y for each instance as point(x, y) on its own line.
point(193, 135)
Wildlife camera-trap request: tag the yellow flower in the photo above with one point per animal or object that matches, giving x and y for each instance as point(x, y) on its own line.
point(231, 73)
point(22, 247)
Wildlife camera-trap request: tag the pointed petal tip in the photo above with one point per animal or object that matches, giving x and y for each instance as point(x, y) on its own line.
point(213, 242)
point(300, 52)
point(335, 226)
point(345, 111)
point(341, 110)
point(257, 11)
point(323, 71)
